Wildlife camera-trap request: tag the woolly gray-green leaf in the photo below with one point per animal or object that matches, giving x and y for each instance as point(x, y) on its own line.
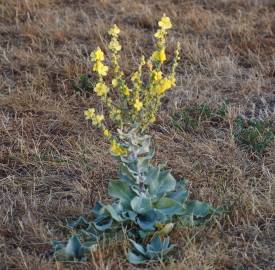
point(73, 247)
point(79, 223)
point(110, 209)
point(165, 182)
point(72, 250)
point(147, 221)
point(168, 207)
point(151, 178)
point(136, 259)
point(138, 247)
point(96, 210)
point(129, 215)
point(180, 194)
point(157, 248)
point(57, 245)
point(141, 204)
point(198, 209)
point(103, 223)
point(120, 190)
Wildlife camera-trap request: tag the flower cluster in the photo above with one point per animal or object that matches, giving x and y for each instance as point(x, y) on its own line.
point(98, 57)
point(97, 121)
point(135, 101)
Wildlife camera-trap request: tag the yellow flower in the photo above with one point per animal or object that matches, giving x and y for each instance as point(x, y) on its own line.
point(117, 70)
point(163, 86)
point(165, 23)
point(106, 133)
point(138, 105)
point(159, 34)
point(159, 56)
point(162, 55)
point(116, 149)
point(100, 68)
point(157, 75)
point(101, 89)
point(114, 45)
point(167, 83)
point(97, 55)
point(135, 76)
point(99, 118)
point(173, 81)
point(114, 31)
point(126, 91)
point(115, 82)
point(152, 119)
point(89, 114)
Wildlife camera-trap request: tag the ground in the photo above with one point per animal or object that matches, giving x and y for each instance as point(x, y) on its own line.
point(54, 165)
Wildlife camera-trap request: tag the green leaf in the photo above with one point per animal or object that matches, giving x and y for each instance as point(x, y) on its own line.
point(91, 229)
point(144, 161)
point(81, 222)
point(144, 234)
point(155, 244)
point(87, 235)
point(97, 209)
point(90, 246)
point(57, 245)
point(168, 207)
point(180, 195)
point(138, 247)
point(198, 209)
point(61, 256)
point(120, 190)
point(153, 251)
point(136, 259)
point(147, 221)
point(157, 249)
point(152, 176)
point(110, 210)
point(125, 177)
point(84, 84)
point(129, 215)
point(73, 247)
point(165, 182)
point(141, 204)
point(103, 223)
point(73, 250)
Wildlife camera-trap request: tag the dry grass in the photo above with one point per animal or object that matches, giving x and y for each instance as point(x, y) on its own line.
point(54, 166)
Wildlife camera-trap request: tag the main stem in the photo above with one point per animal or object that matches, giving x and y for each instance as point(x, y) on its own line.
point(140, 180)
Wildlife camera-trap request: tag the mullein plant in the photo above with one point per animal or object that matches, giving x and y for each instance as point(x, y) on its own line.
point(147, 200)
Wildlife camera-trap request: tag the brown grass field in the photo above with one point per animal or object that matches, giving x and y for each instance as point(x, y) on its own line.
point(54, 165)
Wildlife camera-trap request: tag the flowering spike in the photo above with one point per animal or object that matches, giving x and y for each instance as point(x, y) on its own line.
point(132, 101)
